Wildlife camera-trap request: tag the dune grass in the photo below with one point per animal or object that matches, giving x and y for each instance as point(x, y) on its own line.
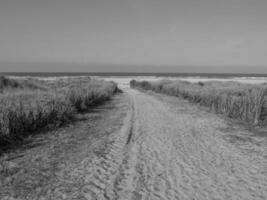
point(26, 111)
point(13, 84)
point(236, 100)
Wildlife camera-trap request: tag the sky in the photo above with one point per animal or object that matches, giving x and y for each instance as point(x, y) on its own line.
point(134, 35)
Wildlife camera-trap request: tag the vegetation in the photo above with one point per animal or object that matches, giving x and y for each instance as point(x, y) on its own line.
point(25, 111)
point(236, 100)
point(11, 84)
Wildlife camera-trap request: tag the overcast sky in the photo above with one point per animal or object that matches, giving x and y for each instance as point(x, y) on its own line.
point(214, 33)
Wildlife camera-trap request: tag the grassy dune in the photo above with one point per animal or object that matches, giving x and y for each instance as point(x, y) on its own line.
point(7, 84)
point(24, 110)
point(236, 100)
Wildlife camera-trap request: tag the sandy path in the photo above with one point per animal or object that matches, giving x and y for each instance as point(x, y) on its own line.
point(149, 146)
point(178, 151)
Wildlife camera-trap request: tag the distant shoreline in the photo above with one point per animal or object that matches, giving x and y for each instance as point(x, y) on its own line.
point(108, 74)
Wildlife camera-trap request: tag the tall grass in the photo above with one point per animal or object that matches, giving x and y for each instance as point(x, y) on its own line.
point(12, 84)
point(25, 112)
point(82, 98)
point(236, 100)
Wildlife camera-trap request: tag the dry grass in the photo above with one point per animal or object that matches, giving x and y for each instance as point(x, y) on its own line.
point(236, 100)
point(25, 111)
point(7, 84)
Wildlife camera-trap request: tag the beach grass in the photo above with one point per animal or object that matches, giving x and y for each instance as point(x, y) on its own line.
point(25, 110)
point(247, 102)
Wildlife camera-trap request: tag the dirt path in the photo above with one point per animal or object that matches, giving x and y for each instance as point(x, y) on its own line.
point(178, 151)
point(61, 164)
point(162, 148)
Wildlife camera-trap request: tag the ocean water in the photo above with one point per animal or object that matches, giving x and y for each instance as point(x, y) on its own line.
point(123, 79)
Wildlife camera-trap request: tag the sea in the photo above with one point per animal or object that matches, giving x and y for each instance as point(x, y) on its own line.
point(123, 79)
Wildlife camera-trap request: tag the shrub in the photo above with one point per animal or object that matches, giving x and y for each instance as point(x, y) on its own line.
point(201, 83)
point(8, 83)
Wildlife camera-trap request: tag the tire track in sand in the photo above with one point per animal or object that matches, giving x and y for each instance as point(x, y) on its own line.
point(104, 167)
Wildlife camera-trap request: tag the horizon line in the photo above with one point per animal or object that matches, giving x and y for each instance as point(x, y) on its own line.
point(220, 74)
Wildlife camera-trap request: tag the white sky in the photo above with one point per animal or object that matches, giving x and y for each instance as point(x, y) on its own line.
point(134, 32)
